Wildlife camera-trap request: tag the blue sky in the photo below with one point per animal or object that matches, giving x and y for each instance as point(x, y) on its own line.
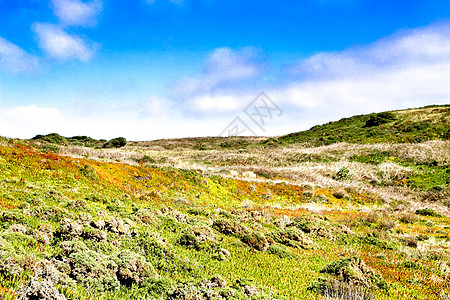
point(148, 69)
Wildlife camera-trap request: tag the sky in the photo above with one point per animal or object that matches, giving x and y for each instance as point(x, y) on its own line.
point(151, 69)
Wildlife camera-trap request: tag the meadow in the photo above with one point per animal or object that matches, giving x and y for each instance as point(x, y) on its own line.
point(362, 216)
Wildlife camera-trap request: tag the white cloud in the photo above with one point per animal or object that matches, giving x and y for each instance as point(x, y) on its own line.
point(218, 87)
point(410, 47)
point(408, 69)
point(157, 107)
point(14, 59)
point(75, 12)
point(61, 45)
point(215, 103)
point(224, 64)
point(22, 121)
point(223, 68)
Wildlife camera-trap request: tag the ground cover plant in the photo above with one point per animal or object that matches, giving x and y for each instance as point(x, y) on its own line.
point(215, 218)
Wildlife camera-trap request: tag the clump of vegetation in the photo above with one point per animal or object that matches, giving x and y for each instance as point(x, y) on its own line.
point(56, 139)
point(280, 251)
point(256, 240)
point(408, 218)
point(343, 174)
point(292, 237)
point(89, 172)
point(353, 270)
point(115, 143)
point(380, 118)
point(334, 289)
point(427, 212)
point(53, 138)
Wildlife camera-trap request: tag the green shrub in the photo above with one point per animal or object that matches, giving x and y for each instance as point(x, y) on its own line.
point(280, 251)
point(147, 159)
point(82, 140)
point(292, 237)
point(343, 174)
point(380, 118)
point(53, 138)
point(447, 135)
point(229, 227)
point(115, 143)
point(96, 271)
point(19, 240)
point(187, 240)
point(410, 265)
point(427, 212)
point(158, 287)
point(371, 240)
point(133, 268)
point(89, 172)
point(256, 240)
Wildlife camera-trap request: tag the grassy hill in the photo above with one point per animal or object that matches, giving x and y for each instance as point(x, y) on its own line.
point(402, 126)
point(229, 218)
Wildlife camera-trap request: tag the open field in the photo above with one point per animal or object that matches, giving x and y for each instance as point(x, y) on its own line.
point(227, 218)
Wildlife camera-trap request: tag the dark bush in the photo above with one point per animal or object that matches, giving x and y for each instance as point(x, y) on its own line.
point(82, 140)
point(427, 212)
point(343, 174)
point(379, 119)
point(115, 143)
point(53, 138)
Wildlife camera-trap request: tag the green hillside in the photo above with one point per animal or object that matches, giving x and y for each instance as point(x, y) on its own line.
point(402, 126)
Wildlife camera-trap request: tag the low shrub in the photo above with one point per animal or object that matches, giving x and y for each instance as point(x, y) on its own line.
point(256, 240)
point(280, 251)
point(229, 227)
point(115, 143)
point(89, 172)
point(334, 289)
point(343, 174)
point(427, 212)
point(380, 118)
point(53, 138)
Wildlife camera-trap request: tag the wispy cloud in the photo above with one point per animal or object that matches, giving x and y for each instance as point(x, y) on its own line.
point(14, 59)
point(176, 2)
point(78, 13)
point(223, 72)
point(62, 46)
point(423, 46)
